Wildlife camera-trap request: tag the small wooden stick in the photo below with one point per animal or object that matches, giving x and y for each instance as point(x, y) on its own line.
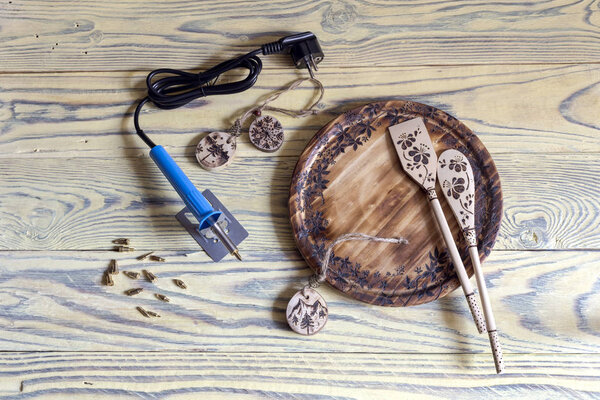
point(133, 292)
point(113, 267)
point(152, 313)
point(180, 283)
point(144, 256)
point(123, 249)
point(108, 281)
point(143, 312)
point(150, 276)
point(132, 274)
point(162, 297)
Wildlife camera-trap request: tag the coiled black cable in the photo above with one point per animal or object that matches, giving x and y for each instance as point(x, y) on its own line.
point(180, 87)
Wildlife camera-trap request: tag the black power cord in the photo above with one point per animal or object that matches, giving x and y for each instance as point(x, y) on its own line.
point(179, 87)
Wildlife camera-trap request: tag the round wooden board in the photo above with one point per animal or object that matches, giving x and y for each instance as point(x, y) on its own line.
point(349, 179)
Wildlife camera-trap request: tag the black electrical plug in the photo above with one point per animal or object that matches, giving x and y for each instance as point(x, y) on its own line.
point(303, 47)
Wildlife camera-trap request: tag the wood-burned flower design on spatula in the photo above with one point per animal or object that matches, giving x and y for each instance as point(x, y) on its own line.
point(420, 154)
point(457, 182)
point(457, 164)
point(454, 188)
point(406, 140)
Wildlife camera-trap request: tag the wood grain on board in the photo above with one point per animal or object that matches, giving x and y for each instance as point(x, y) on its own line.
point(294, 376)
point(55, 301)
point(512, 108)
point(84, 203)
point(115, 35)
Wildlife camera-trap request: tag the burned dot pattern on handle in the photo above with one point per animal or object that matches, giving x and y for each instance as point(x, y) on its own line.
point(496, 351)
point(476, 312)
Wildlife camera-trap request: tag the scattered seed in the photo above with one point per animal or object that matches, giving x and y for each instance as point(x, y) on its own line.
point(150, 276)
point(157, 258)
point(123, 249)
point(132, 274)
point(121, 241)
point(113, 268)
point(133, 292)
point(180, 283)
point(162, 297)
point(144, 256)
point(108, 280)
point(143, 312)
point(152, 313)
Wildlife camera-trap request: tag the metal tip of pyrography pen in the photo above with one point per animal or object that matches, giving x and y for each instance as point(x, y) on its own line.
point(227, 242)
point(237, 255)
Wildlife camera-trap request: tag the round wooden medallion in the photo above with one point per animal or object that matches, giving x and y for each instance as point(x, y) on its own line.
point(349, 179)
point(307, 312)
point(266, 133)
point(216, 150)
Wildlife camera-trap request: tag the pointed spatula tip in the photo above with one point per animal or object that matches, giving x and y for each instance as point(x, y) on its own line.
point(407, 126)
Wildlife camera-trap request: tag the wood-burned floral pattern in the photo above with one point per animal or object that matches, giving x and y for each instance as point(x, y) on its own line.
point(458, 187)
point(266, 133)
point(405, 284)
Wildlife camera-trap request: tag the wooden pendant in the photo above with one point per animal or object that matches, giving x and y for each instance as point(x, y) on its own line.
point(266, 133)
point(307, 312)
point(216, 150)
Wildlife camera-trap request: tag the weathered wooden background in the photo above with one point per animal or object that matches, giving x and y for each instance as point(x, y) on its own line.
point(525, 76)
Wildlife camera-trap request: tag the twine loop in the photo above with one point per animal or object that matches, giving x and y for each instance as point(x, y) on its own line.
point(318, 278)
point(236, 128)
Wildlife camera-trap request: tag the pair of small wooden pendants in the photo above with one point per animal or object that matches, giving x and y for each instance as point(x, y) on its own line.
point(217, 149)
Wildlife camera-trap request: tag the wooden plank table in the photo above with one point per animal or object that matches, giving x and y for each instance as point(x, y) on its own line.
point(525, 76)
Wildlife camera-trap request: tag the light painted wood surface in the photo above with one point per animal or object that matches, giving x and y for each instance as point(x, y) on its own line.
point(54, 301)
point(524, 76)
point(320, 376)
point(83, 203)
point(116, 35)
point(512, 108)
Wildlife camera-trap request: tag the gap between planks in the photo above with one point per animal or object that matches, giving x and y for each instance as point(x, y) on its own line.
point(193, 68)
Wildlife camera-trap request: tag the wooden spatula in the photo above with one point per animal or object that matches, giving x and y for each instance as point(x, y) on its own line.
point(419, 161)
point(456, 178)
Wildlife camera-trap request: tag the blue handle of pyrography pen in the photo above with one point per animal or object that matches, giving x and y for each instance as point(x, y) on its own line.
point(191, 196)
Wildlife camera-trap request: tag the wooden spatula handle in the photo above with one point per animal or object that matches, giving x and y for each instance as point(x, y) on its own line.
point(458, 264)
point(487, 309)
point(483, 293)
point(496, 351)
point(476, 312)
